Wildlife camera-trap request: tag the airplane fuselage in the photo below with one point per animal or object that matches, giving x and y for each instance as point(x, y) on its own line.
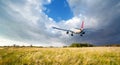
point(77, 31)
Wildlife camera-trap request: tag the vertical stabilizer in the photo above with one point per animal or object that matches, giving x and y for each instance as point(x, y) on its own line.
point(82, 25)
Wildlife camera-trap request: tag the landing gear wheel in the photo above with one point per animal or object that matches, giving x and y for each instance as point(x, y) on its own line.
point(71, 34)
point(81, 35)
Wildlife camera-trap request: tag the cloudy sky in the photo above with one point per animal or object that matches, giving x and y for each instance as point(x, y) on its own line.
point(26, 22)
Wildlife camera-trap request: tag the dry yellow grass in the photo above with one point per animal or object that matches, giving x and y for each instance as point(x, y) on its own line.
point(60, 56)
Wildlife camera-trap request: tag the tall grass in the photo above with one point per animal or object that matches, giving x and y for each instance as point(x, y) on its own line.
point(60, 56)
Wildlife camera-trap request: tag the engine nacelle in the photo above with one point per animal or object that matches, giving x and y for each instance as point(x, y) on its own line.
point(83, 32)
point(67, 32)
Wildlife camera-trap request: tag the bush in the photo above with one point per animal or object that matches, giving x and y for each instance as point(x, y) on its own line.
point(81, 45)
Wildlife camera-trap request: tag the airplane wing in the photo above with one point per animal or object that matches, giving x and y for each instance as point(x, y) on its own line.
point(89, 30)
point(62, 29)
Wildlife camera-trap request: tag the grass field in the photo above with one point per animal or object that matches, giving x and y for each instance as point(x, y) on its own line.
point(60, 56)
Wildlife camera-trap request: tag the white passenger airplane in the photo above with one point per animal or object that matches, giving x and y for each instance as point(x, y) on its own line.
point(77, 31)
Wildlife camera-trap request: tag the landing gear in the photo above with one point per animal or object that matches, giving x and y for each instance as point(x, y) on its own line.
point(72, 34)
point(81, 35)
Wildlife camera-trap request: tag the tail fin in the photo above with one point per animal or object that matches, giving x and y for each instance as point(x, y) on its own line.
point(82, 25)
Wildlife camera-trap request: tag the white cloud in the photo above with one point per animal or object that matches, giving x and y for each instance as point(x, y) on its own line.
point(35, 26)
point(8, 42)
point(76, 21)
point(49, 1)
point(28, 24)
point(93, 11)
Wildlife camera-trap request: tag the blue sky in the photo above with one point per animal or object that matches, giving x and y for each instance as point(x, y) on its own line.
point(59, 10)
point(26, 22)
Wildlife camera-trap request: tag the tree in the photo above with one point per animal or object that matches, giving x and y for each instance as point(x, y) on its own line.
point(81, 45)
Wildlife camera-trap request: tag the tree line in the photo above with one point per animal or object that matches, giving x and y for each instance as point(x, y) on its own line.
point(71, 45)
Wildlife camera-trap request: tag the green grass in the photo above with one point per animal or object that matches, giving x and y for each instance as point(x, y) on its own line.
point(60, 56)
